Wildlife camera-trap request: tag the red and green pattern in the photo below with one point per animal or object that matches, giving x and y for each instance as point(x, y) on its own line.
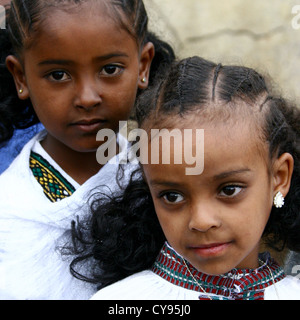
point(238, 284)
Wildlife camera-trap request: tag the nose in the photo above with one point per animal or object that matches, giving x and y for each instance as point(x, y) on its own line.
point(88, 95)
point(204, 217)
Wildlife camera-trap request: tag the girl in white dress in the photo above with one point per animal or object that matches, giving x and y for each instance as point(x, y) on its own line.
point(76, 67)
point(190, 225)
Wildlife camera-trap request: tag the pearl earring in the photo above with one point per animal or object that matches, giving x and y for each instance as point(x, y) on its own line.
point(278, 200)
point(21, 91)
point(144, 80)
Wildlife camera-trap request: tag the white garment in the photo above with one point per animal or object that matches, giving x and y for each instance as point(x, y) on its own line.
point(31, 226)
point(37, 148)
point(147, 285)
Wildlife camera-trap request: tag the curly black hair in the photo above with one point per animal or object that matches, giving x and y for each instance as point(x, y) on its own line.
point(119, 237)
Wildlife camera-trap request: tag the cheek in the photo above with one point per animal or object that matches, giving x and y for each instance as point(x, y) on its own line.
point(120, 103)
point(255, 210)
point(162, 218)
point(251, 222)
point(172, 224)
point(49, 115)
point(126, 98)
point(48, 104)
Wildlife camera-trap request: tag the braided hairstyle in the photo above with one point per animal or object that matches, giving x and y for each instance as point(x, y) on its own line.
point(24, 18)
point(197, 84)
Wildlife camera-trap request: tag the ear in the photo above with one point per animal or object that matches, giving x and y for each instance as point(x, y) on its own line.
point(15, 67)
point(283, 169)
point(146, 58)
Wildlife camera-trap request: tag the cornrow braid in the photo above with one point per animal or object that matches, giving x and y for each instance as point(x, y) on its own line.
point(15, 10)
point(182, 69)
point(136, 23)
point(216, 74)
point(135, 13)
point(16, 34)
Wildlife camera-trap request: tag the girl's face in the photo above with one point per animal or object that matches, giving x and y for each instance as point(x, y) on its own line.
point(82, 73)
point(215, 220)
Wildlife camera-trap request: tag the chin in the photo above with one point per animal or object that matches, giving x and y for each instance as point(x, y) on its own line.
point(213, 268)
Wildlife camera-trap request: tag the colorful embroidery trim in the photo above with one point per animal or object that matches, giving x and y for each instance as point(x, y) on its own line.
point(55, 186)
point(238, 284)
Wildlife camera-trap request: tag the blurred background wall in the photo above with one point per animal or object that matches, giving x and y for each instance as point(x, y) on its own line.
point(263, 34)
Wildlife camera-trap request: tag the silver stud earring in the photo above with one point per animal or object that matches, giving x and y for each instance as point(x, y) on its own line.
point(278, 200)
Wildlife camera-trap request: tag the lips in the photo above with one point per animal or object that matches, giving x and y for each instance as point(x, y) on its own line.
point(89, 125)
point(88, 122)
point(210, 249)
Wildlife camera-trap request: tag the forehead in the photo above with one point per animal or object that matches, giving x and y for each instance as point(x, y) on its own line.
point(54, 17)
point(80, 34)
point(229, 145)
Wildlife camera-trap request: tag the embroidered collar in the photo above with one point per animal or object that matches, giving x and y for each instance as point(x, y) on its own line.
point(54, 185)
point(237, 284)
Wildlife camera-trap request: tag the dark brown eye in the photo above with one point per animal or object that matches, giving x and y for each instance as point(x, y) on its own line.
point(230, 191)
point(112, 70)
point(173, 197)
point(58, 76)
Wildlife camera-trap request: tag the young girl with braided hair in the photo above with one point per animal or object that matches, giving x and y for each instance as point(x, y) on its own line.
point(77, 67)
point(197, 236)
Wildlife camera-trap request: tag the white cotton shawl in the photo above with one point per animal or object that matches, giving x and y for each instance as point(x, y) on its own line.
point(31, 227)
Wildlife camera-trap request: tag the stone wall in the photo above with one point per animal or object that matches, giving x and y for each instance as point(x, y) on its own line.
point(259, 33)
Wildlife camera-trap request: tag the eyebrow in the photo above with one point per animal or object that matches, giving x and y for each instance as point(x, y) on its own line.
point(69, 62)
point(220, 176)
point(111, 55)
point(165, 183)
point(227, 174)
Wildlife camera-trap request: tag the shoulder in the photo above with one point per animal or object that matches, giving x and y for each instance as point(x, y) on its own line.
point(286, 289)
point(144, 285)
point(21, 159)
point(135, 287)
point(17, 179)
point(13, 147)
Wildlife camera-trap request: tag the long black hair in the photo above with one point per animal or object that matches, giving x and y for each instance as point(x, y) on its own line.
point(122, 235)
point(24, 17)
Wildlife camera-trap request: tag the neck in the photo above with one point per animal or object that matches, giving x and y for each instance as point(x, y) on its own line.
point(79, 165)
